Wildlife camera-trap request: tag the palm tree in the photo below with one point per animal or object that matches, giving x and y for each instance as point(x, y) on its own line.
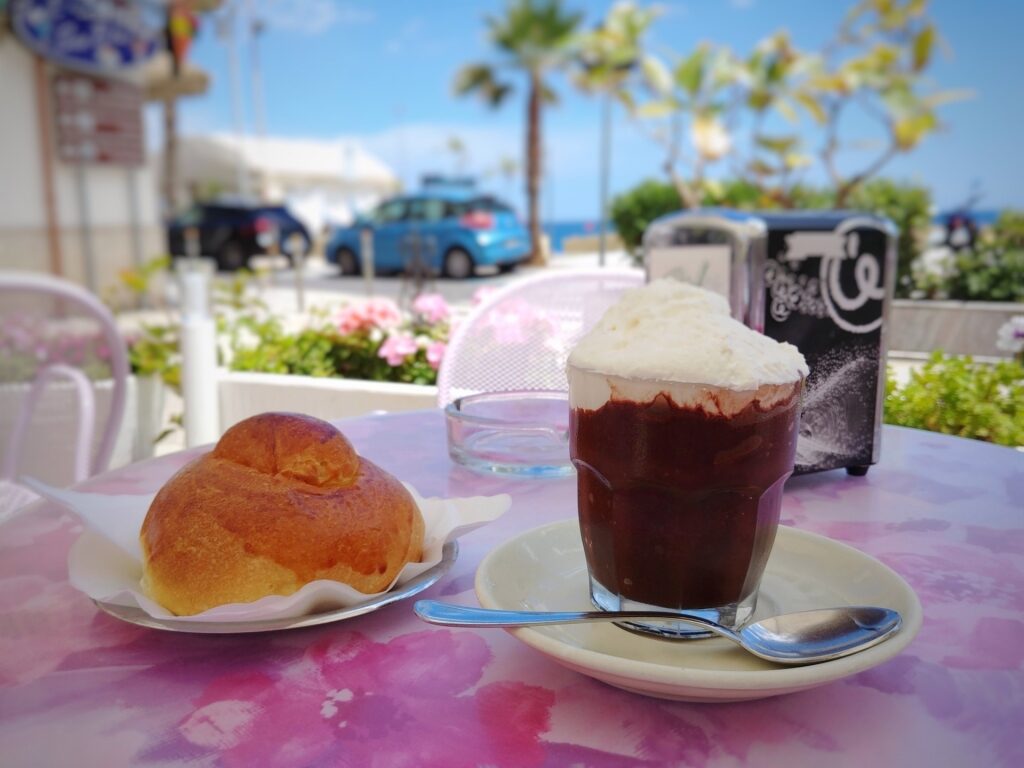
point(608, 58)
point(534, 37)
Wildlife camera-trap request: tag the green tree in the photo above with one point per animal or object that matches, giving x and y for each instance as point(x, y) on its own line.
point(536, 38)
point(876, 64)
point(610, 56)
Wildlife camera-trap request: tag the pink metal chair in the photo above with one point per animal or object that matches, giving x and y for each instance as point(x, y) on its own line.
point(58, 329)
point(519, 337)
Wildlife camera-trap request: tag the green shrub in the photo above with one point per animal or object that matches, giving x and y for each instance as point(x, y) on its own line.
point(958, 396)
point(908, 207)
point(632, 211)
point(989, 272)
point(1009, 228)
point(905, 204)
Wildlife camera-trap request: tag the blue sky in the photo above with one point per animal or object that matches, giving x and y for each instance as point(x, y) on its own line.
point(382, 72)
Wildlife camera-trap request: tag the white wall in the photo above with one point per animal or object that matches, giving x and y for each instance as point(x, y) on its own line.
point(23, 243)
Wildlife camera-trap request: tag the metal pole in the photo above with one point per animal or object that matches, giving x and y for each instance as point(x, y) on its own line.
point(295, 247)
point(366, 254)
point(45, 133)
point(84, 227)
point(606, 153)
point(227, 30)
point(256, 72)
point(136, 230)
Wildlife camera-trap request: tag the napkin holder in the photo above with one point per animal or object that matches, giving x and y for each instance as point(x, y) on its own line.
point(821, 280)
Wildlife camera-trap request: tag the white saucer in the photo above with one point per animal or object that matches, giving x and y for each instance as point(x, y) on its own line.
point(135, 615)
point(544, 570)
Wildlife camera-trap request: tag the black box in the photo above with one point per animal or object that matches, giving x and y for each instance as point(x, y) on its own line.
point(821, 280)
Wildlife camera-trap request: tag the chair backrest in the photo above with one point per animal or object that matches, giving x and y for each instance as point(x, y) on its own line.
point(52, 329)
point(519, 337)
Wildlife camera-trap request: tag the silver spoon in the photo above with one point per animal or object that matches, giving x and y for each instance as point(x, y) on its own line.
point(806, 637)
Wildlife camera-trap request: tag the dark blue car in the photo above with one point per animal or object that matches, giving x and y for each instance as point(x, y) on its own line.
point(234, 232)
point(450, 232)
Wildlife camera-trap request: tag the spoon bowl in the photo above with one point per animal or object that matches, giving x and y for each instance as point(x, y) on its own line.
point(806, 637)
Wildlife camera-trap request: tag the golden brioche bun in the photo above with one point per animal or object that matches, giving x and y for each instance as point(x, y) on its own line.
point(282, 500)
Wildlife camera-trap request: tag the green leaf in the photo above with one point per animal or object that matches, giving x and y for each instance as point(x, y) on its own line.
point(909, 131)
point(689, 73)
point(812, 105)
point(656, 75)
point(795, 160)
point(761, 168)
point(921, 49)
point(830, 83)
point(786, 110)
point(656, 109)
point(778, 144)
point(948, 97)
point(759, 99)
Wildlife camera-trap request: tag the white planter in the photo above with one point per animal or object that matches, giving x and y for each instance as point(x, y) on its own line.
point(151, 396)
point(955, 327)
point(48, 452)
point(246, 394)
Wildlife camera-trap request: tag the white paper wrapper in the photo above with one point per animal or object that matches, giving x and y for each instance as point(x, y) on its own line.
point(106, 561)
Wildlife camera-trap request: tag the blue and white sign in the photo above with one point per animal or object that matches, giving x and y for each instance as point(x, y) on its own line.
point(95, 36)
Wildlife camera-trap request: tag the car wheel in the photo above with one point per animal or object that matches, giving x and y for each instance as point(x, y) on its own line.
point(231, 256)
point(458, 264)
point(348, 264)
point(507, 267)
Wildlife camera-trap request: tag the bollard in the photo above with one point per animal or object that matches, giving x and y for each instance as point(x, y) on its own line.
point(198, 361)
point(192, 244)
point(366, 256)
point(295, 246)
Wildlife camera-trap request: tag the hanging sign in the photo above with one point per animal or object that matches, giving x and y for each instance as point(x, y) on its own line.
point(98, 36)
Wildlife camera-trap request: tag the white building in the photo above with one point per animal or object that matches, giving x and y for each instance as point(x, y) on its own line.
point(44, 201)
point(323, 182)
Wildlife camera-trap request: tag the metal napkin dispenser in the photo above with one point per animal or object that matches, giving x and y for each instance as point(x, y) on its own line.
point(821, 280)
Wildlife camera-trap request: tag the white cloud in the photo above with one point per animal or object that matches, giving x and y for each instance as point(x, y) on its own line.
point(406, 35)
point(313, 17)
point(570, 183)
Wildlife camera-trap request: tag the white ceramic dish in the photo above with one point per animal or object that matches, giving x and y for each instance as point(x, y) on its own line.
point(544, 569)
point(135, 615)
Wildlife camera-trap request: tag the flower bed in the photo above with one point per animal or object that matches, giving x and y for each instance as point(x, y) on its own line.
point(371, 341)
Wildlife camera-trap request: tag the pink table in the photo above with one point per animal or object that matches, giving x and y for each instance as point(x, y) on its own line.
point(80, 688)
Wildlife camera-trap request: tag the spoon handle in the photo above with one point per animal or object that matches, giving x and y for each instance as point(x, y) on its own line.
point(466, 616)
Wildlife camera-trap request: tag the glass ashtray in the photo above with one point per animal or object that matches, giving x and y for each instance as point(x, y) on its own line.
point(513, 433)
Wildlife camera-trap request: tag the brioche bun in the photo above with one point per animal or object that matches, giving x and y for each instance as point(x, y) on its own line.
point(282, 500)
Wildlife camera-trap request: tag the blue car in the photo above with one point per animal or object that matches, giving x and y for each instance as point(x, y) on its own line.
point(450, 232)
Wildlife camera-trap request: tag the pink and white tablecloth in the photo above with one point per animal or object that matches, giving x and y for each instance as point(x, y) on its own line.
point(78, 687)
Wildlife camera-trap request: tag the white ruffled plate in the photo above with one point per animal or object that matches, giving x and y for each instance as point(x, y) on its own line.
point(106, 564)
point(545, 570)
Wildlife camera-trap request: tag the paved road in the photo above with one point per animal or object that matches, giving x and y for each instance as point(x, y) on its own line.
point(324, 286)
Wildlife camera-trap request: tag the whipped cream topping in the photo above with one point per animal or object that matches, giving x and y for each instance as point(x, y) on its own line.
point(668, 331)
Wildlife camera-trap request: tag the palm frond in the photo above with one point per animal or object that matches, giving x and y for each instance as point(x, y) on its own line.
point(481, 80)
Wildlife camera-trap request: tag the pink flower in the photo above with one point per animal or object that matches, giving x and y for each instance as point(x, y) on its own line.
point(435, 353)
point(375, 313)
point(383, 313)
point(396, 348)
point(431, 306)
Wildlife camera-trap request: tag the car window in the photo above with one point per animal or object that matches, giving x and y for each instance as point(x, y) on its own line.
point(489, 204)
point(391, 211)
point(193, 217)
point(427, 210)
